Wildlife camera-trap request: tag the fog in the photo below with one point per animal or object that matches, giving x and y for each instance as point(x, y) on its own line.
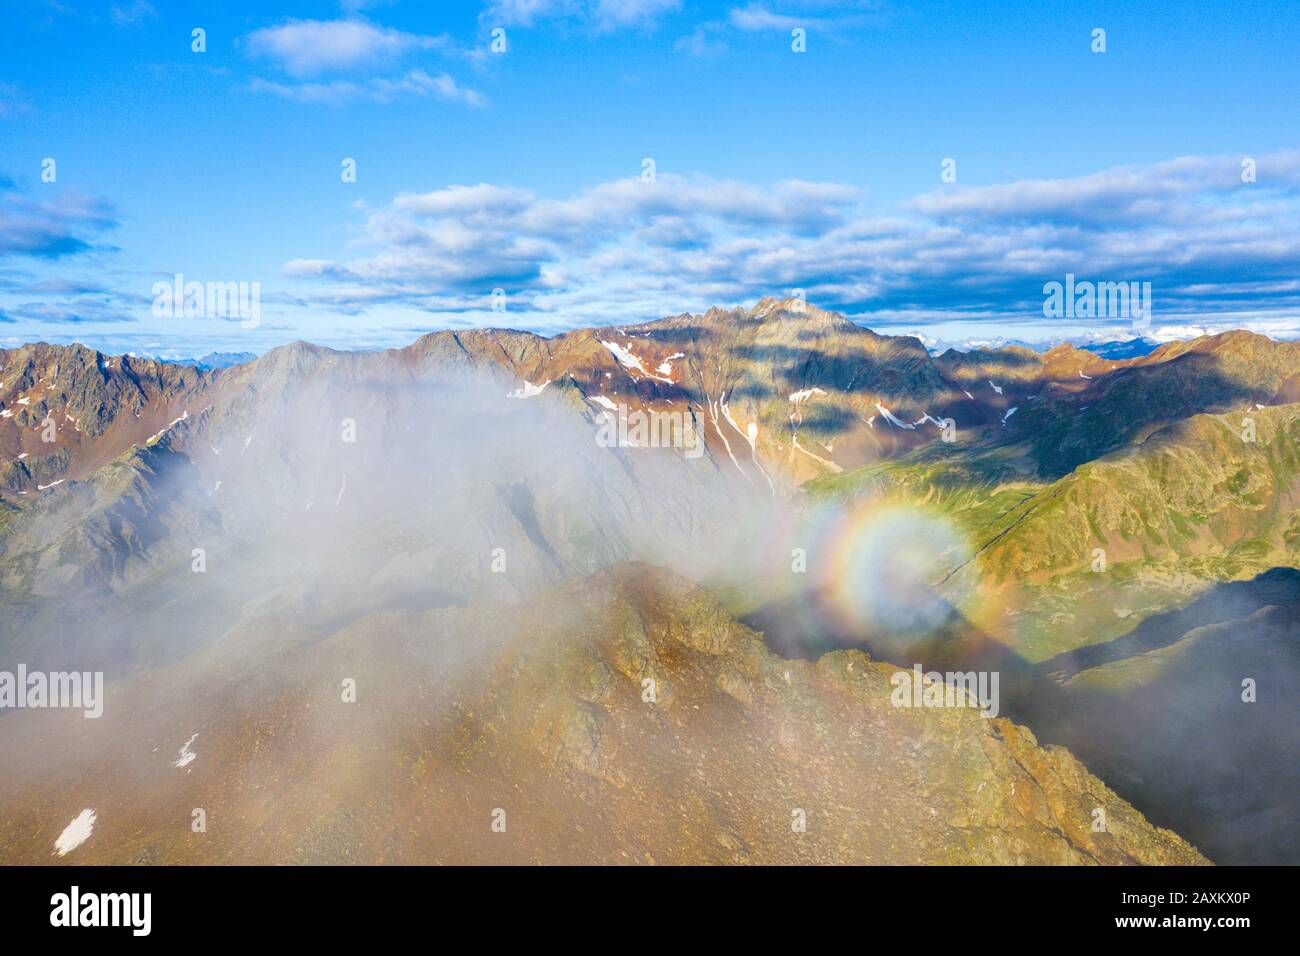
point(328, 518)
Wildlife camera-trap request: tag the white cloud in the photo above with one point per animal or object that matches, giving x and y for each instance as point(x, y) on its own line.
point(618, 14)
point(464, 200)
point(1209, 244)
point(602, 15)
point(135, 12)
point(416, 84)
point(308, 48)
point(758, 17)
point(420, 84)
point(822, 15)
point(702, 42)
point(832, 17)
point(526, 13)
point(1120, 192)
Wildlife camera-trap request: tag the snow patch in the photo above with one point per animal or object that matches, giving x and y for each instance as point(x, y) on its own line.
point(892, 419)
point(630, 361)
point(666, 366)
point(170, 425)
point(75, 833)
point(187, 755)
point(529, 390)
point(713, 416)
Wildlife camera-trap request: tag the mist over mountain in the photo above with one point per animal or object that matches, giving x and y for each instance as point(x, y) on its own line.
point(475, 533)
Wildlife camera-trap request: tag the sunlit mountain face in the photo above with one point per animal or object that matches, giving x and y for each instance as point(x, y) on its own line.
point(648, 433)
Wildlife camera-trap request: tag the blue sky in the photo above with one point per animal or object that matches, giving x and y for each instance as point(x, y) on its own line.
point(523, 170)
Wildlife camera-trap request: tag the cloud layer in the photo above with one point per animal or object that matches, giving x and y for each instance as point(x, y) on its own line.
point(1208, 242)
point(66, 223)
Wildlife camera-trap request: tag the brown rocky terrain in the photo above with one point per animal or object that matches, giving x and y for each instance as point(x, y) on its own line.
point(782, 393)
point(373, 557)
point(545, 712)
point(67, 410)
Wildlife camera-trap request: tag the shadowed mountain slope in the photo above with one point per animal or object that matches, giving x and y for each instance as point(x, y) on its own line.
point(1194, 717)
point(782, 392)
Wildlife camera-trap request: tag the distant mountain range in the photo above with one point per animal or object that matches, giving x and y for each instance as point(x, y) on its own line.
point(214, 360)
point(820, 394)
point(447, 526)
point(1125, 349)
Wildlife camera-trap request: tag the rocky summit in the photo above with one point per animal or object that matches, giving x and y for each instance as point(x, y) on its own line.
point(624, 718)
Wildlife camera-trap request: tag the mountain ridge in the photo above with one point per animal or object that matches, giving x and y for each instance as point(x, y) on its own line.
point(822, 394)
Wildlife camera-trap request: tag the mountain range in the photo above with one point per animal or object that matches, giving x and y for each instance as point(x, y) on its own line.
point(444, 527)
